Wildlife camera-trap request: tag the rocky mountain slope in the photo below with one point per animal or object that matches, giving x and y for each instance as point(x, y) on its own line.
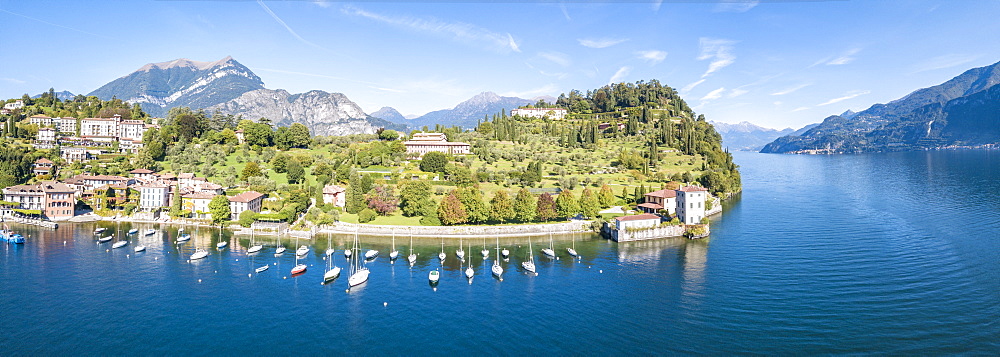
point(390, 114)
point(466, 114)
point(746, 136)
point(182, 83)
point(324, 113)
point(959, 112)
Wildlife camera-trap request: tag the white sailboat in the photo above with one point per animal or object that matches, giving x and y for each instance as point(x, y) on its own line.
point(485, 252)
point(139, 248)
point(222, 241)
point(278, 248)
point(99, 230)
point(412, 258)
point(359, 273)
point(441, 255)
point(469, 272)
point(299, 268)
point(302, 251)
point(331, 274)
point(347, 253)
point(254, 248)
point(394, 253)
point(503, 253)
point(371, 254)
point(529, 264)
point(572, 251)
point(548, 251)
point(460, 252)
point(120, 243)
point(329, 249)
point(199, 253)
point(497, 269)
point(150, 232)
point(133, 231)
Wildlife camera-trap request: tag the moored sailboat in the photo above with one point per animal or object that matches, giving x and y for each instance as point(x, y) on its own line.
point(497, 269)
point(529, 264)
point(359, 273)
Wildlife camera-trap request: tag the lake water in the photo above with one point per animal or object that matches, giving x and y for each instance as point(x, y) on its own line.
point(886, 253)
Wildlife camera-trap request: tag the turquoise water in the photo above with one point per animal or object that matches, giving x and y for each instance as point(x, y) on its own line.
point(888, 253)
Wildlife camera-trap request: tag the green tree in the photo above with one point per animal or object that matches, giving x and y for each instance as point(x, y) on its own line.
point(606, 198)
point(366, 215)
point(355, 197)
point(296, 174)
point(247, 218)
point(525, 208)
point(279, 163)
point(546, 208)
point(177, 205)
point(566, 204)
point(472, 200)
point(501, 207)
point(251, 170)
point(299, 136)
point(388, 134)
point(415, 198)
point(589, 204)
point(219, 208)
point(433, 162)
point(451, 211)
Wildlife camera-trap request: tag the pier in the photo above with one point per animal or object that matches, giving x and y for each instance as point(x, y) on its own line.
point(33, 222)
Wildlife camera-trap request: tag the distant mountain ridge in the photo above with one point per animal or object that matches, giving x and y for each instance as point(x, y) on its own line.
point(466, 114)
point(64, 95)
point(182, 83)
point(324, 113)
point(390, 114)
point(746, 136)
point(959, 112)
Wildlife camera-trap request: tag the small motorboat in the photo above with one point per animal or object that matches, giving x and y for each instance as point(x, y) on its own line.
point(183, 238)
point(299, 269)
point(150, 232)
point(347, 253)
point(10, 237)
point(104, 239)
point(262, 269)
point(505, 253)
point(303, 250)
point(100, 230)
point(119, 244)
point(199, 254)
point(434, 276)
point(280, 249)
point(371, 254)
point(221, 245)
point(133, 231)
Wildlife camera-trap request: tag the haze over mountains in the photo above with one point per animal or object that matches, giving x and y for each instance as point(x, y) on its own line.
point(746, 136)
point(964, 111)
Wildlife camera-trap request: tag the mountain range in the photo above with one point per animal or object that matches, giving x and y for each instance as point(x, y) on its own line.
point(746, 136)
point(964, 111)
point(231, 88)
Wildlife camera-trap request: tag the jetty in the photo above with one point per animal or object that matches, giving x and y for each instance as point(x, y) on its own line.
point(33, 222)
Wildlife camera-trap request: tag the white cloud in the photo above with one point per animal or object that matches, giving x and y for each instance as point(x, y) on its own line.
point(555, 57)
point(944, 61)
point(845, 58)
point(849, 95)
point(387, 89)
point(622, 72)
point(652, 56)
point(600, 42)
point(799, 109)
point(322, 3)
point(289, 28)
point(656, 5)
point(13, 80)
point(715, 94)
point(735, 5)
point(462, 32)
point(737, 92)
point(720, 51)
point(778, 103)
point(547, 89)
point(691, 86)
point(791, 90)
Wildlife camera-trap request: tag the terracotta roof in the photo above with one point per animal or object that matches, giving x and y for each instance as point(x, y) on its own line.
point(651, 205)
point(39, 116)
point(52, 186)
point(43, 161)
point(693, 189)
point(141, 171)
point(246, 196)
point(167, 176)
point(434, 143)
point(663, 193)
point(333, 189)
point(210, 186)
point(638, 217)
point(185, 175)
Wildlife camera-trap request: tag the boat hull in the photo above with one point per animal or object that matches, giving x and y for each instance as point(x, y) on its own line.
point(331, 274)
point(358, 277)
point(299, 269)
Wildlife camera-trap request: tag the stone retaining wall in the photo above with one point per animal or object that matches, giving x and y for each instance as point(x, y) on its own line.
point(457, 231)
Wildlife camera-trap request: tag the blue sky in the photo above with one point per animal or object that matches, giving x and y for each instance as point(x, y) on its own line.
point(776, 64)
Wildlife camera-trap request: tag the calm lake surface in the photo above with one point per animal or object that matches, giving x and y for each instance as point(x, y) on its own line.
point(886, 253)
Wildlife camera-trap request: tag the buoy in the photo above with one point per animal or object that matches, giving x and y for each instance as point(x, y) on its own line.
point(602, 271)
point(249, 275)
point(216, 271)
point(347, 290)
point(385, 304)
point(199, 280)
point(237, 260)
point(64, 242)
point(286, 277)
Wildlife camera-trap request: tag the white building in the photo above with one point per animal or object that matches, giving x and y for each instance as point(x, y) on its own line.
point(249, 200)
point(17, 104)
point(153, 196)
point(198, 204)
point(99, 127)
point(551, 113)
point(72, 155)
point(691, 204)
point(131, 129)
point(40, 120)
point(645, 220)
point(334, 194)
point(46, 134)
point(66, 125)
point(423, 143)
point(660, 200)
